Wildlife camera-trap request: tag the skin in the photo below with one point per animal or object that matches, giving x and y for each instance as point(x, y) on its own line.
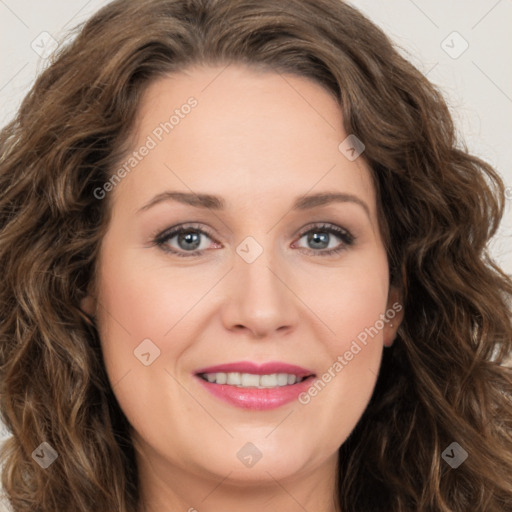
point(259, 140)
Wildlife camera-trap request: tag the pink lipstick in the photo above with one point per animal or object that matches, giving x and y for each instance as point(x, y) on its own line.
point(248, 385)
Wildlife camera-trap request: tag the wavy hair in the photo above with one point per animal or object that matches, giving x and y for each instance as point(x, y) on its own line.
point(444, 379)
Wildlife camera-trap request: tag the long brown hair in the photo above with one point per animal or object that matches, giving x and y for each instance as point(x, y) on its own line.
point(441, 382)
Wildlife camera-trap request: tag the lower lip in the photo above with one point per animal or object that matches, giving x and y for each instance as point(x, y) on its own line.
point(255, 398)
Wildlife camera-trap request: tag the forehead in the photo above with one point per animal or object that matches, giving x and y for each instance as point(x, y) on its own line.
point(244, 134)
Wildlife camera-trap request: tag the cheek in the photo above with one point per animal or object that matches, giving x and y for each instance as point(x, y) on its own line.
point(352, 306)
point(352, 300)
point(360, 307)
point(143, 332)
point(138, 312)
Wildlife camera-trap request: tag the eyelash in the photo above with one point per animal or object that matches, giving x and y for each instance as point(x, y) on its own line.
point(161, 239)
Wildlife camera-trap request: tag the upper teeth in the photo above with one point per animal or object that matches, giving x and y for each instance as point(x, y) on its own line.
point(250, 380)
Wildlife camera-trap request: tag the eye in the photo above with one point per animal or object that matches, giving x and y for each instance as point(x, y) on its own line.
point(188, 239)
point(319, 237)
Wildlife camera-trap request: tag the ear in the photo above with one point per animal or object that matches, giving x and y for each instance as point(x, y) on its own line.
point(395, 314)
point(88, 304)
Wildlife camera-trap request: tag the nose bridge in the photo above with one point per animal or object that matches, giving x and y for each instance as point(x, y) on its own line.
point(261, 301)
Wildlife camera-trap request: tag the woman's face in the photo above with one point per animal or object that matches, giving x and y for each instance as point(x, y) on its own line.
point(188, 325)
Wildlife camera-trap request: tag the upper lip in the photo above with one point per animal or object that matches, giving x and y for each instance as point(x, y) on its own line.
point(257, 369)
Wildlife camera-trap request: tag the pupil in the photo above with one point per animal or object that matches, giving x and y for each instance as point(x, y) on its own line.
point(187, 236)
point(316, 238)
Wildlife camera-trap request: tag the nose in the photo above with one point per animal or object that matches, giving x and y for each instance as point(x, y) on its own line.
point(260, 298)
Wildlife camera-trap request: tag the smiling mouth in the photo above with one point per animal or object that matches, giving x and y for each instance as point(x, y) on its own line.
point(251, 380)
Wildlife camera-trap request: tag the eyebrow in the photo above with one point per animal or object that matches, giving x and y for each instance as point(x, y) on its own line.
point(212, 202)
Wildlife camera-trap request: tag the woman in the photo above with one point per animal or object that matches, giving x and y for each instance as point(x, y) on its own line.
point(332, 340)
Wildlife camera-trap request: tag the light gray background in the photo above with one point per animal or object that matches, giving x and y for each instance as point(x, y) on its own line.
point(477, 83)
